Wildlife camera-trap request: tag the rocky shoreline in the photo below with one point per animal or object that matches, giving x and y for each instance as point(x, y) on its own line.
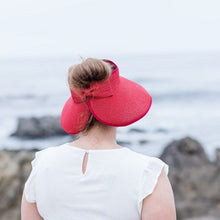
point(194, 178)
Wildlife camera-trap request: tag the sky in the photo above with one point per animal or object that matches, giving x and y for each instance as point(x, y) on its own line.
point(46, 28)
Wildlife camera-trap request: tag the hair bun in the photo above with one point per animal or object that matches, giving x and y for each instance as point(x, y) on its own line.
point(90, 70)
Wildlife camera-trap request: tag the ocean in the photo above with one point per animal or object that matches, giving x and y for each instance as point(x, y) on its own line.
point(185, 89)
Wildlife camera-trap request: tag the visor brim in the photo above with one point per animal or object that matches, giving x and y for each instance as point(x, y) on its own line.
point(129, 103)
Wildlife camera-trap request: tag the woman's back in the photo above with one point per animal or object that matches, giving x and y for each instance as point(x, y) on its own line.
point(113, 186)
point(106, 182)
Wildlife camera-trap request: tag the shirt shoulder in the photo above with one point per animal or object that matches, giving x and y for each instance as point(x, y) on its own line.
point(140, 159)
point(47, 155)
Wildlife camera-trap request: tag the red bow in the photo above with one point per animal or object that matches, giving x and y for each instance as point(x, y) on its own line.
point(96, 90)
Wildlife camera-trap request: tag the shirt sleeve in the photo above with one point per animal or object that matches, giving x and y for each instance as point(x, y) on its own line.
point(149, 178)
point(29, 187)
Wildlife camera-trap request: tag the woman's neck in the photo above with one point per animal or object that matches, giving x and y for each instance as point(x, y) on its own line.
point(98, 137)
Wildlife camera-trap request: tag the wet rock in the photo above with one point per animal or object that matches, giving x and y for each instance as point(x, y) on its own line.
point(34, 127)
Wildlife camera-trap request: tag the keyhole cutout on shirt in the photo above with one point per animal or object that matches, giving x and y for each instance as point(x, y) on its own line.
point(84, 164)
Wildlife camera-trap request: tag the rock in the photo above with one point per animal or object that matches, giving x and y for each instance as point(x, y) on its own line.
point(136, 130)
point(191, 175)
point(161, 130)
point(8, 176)
point(14, 170)
point(143, 142)
point(185, 152)
point(195, 180)
point(217, 153)
point(202, 218)
point(34, 127)
point(124, 143)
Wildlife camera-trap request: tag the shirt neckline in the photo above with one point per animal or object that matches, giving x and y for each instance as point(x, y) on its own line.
point(69, 145)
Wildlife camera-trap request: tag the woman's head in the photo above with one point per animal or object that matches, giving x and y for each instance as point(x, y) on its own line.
point(84, 74)
point(99, 95)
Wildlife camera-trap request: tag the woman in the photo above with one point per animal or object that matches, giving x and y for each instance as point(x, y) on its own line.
point(94, 178)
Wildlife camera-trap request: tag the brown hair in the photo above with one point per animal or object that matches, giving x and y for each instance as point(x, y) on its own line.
point(84, 74)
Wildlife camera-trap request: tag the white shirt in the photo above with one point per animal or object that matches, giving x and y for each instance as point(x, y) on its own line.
point(112, 188)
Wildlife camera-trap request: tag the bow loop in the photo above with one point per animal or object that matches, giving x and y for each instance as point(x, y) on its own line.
point(96, 90)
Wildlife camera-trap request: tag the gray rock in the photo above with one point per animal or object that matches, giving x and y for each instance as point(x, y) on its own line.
point(161, 130)
point(195, 180)
point(202, 218)
point(14, 170)
point(34, 127)
point(143, 142)
point(217, 153)
point(136, 130)
point(124, 143)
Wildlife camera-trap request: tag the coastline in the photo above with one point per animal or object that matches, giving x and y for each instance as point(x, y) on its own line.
point(191, 173)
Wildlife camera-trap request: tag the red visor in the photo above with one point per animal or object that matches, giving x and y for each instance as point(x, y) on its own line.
point(115, 102)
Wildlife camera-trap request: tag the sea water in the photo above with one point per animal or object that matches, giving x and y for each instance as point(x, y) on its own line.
point(185, 89)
